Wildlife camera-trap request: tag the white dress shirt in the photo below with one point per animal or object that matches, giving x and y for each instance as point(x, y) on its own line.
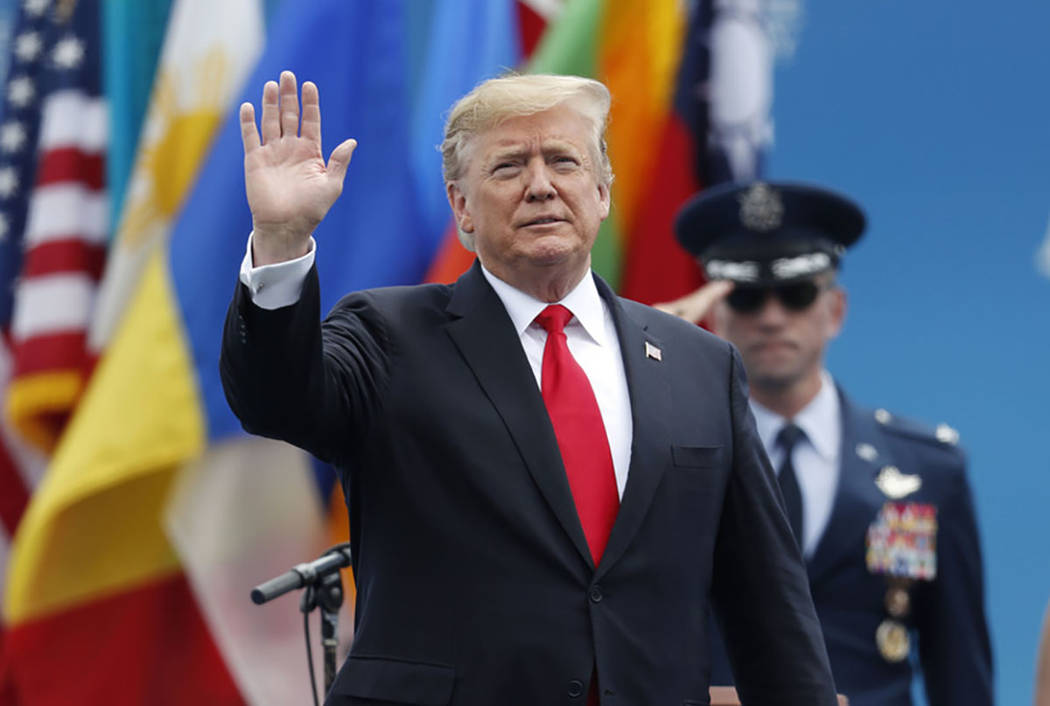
point(591, 336)
point(815, 458)
point(592, 340)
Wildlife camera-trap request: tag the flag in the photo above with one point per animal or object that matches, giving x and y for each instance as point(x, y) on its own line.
point(52, 233)
point(717, 129)
point(133, 36)
point(53, 211)
point(90, 556)
point(209, 48)
point(17, 166)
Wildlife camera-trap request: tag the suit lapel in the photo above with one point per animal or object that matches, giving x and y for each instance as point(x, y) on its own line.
point(857, 498)
point(485, 336)
point(648, 389)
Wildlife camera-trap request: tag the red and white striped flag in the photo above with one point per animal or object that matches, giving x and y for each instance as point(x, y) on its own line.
point(53, 231)
point(61, 220)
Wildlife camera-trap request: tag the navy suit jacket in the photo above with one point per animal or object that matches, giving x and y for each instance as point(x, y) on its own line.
point(474, 582)
point(949, 634)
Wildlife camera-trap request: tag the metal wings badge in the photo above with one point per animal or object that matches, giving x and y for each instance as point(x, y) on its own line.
point(895, 485)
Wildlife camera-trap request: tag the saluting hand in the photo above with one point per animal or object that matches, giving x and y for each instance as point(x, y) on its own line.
point(693, 307)
point(289, 186)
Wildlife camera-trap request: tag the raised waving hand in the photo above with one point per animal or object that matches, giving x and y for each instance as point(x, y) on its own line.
point(290, 187)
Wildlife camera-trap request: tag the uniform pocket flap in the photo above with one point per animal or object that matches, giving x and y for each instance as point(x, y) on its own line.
point(396, 680)
point(696, 456)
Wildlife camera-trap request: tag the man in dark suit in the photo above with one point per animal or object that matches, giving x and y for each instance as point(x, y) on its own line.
point(881, 506)
point(546, 483)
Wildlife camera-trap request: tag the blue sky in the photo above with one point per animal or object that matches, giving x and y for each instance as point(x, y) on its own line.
point(935, 115)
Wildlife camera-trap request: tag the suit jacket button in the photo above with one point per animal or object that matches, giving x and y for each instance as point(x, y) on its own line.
point(596, 594)
point(575, 688)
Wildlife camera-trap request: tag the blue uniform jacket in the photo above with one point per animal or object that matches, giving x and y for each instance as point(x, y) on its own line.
point(948, 633)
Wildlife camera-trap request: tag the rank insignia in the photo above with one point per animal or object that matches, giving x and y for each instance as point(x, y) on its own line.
point(895, 485)
point(892, 640)
point(946, 435)
point(867, 452)
point(902, 542)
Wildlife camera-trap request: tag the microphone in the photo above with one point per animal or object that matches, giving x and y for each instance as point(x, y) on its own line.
point(332, 560)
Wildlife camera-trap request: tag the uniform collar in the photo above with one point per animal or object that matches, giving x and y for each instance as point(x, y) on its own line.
point(821, 420)
point(583, 301)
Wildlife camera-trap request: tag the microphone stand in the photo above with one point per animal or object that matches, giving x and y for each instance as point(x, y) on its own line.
point(324, 590)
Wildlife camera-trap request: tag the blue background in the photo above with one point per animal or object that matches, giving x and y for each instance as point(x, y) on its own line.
point(935, 116)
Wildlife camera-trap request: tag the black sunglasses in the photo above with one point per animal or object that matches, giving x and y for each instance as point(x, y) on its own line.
point(797, 296)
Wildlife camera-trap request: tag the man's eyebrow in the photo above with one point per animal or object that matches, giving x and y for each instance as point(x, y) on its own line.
point(515, 152)
point(557, 145)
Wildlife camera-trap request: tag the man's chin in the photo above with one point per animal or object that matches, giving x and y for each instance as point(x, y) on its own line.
point(554, 252)
point(771, 378)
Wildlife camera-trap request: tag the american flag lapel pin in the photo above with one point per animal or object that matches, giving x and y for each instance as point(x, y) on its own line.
point(652, 351)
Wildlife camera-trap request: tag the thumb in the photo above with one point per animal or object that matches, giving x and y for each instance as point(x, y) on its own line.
point(340, 160)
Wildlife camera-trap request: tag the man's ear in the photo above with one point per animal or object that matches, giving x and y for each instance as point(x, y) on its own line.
point(604, 199)
point(458, 201)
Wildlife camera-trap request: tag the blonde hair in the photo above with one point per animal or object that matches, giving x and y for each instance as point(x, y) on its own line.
point(499, 99)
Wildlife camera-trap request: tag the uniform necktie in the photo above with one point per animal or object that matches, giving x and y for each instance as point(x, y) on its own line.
point(580, 432)
point(788, 437)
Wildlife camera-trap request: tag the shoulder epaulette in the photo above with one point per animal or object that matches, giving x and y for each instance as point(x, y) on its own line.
point(942, 434)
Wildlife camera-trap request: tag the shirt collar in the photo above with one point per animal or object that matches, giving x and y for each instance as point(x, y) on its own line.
point(583, 301)
point(820, 420)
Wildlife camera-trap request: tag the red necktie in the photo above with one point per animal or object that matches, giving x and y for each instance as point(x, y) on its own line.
point(580, 432)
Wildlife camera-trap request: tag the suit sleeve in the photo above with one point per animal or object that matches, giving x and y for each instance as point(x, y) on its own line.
point(954, 647)
point(759, 586)
point(289, 376)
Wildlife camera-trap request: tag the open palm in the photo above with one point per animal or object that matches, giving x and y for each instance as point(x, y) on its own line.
point(289, 186)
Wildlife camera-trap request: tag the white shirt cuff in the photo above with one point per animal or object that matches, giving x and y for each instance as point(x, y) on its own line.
point(278, 285)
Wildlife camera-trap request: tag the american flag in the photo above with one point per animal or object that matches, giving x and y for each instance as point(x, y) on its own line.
point(53, 228)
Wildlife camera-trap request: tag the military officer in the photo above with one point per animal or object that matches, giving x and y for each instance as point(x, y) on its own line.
point(880, 506)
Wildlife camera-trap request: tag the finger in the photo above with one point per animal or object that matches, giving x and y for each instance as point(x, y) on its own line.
point(289, 105)
point(700, 303)
point(249, 135)
point(713, 292)
point(340, 160)
point(270, 123)
point(695, 306)
point(311, 114)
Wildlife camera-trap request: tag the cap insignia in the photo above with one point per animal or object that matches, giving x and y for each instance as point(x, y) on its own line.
point(761, 208)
